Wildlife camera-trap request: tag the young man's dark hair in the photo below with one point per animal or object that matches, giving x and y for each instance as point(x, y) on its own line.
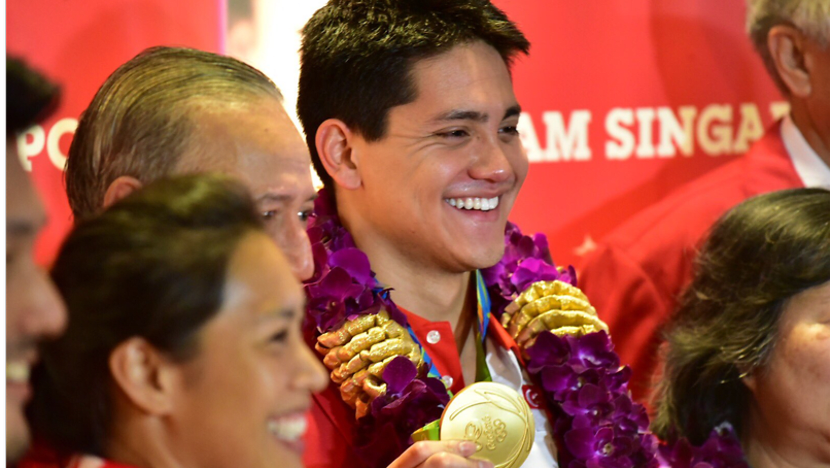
point(29, 96)
point(357, 57)
point(141, 120)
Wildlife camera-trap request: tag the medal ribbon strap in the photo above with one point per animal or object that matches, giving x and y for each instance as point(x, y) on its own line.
point(483, 321)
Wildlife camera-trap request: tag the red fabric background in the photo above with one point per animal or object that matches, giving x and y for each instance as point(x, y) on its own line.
point(78, 44)
point(586, 56)
point(597, 56)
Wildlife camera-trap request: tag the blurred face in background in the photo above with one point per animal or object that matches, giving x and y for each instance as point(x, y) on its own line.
point(34, 310)
point(242, 401)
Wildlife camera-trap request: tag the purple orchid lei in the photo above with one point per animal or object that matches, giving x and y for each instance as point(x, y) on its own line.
point(596, 422)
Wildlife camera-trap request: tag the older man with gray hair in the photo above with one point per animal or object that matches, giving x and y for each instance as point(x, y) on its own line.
point(636, 274)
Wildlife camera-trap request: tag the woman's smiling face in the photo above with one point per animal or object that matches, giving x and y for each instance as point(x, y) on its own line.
point(242, 400)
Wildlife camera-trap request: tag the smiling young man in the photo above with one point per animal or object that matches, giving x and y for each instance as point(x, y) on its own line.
point(410, 117)
point(34, 311)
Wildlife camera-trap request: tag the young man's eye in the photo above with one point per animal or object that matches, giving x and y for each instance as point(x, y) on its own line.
point(270, 214)
point(453, 134)
point(509, 130)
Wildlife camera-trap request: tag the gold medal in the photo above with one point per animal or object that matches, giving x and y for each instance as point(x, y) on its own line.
point(496, 418)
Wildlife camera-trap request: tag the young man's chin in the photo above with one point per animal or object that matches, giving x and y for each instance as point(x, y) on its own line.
point(486, 257)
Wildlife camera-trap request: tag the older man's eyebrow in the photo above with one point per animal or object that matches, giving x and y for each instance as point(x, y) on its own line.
point(273, 197)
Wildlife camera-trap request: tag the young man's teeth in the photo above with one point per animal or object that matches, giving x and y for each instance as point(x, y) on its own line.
point(17, 372)
point(481, 204)
point(289, 428)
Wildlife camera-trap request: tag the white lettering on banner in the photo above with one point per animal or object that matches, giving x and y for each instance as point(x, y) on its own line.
point(715, 138)
point(625, 141)
point(564, 143)
point(675, 135)
point(30, 143)
point(750, 129)
point(645, 117)
point(632, 131)
point(33, 141)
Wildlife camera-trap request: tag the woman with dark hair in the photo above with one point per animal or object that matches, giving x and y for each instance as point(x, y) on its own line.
point(750, 343)
point(183, 346)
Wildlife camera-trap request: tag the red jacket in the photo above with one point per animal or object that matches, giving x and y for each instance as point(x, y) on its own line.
point(637, 273)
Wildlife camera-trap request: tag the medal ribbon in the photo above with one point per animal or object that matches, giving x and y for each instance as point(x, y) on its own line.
point(483, 319)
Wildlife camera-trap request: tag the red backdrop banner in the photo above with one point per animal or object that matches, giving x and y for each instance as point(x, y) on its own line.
point(78, 44)
point(623, 100)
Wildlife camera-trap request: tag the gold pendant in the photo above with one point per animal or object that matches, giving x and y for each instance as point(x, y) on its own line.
point(496, 418)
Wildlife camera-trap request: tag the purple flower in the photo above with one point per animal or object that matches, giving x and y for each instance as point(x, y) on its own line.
point(604, 447)
point(531, 271)
point(526, 260)
point(395, 416)
point(593, 350)
point(398, 373)
point(721, 450)
point(599, 425)
point(354, 262)
point(336, 297)
point(548, 350)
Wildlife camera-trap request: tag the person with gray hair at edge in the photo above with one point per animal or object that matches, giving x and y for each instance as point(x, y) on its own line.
point(636, 274)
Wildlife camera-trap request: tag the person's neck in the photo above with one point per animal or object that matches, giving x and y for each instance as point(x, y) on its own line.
point(424, 290)
point(767, 445)
point(139, 441)
point(419, 286)
point(808, 128)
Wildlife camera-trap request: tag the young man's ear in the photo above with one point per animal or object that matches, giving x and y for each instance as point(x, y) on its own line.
point(335, 147)
point(119, 189)
point(788, 48)
point(144, 376)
